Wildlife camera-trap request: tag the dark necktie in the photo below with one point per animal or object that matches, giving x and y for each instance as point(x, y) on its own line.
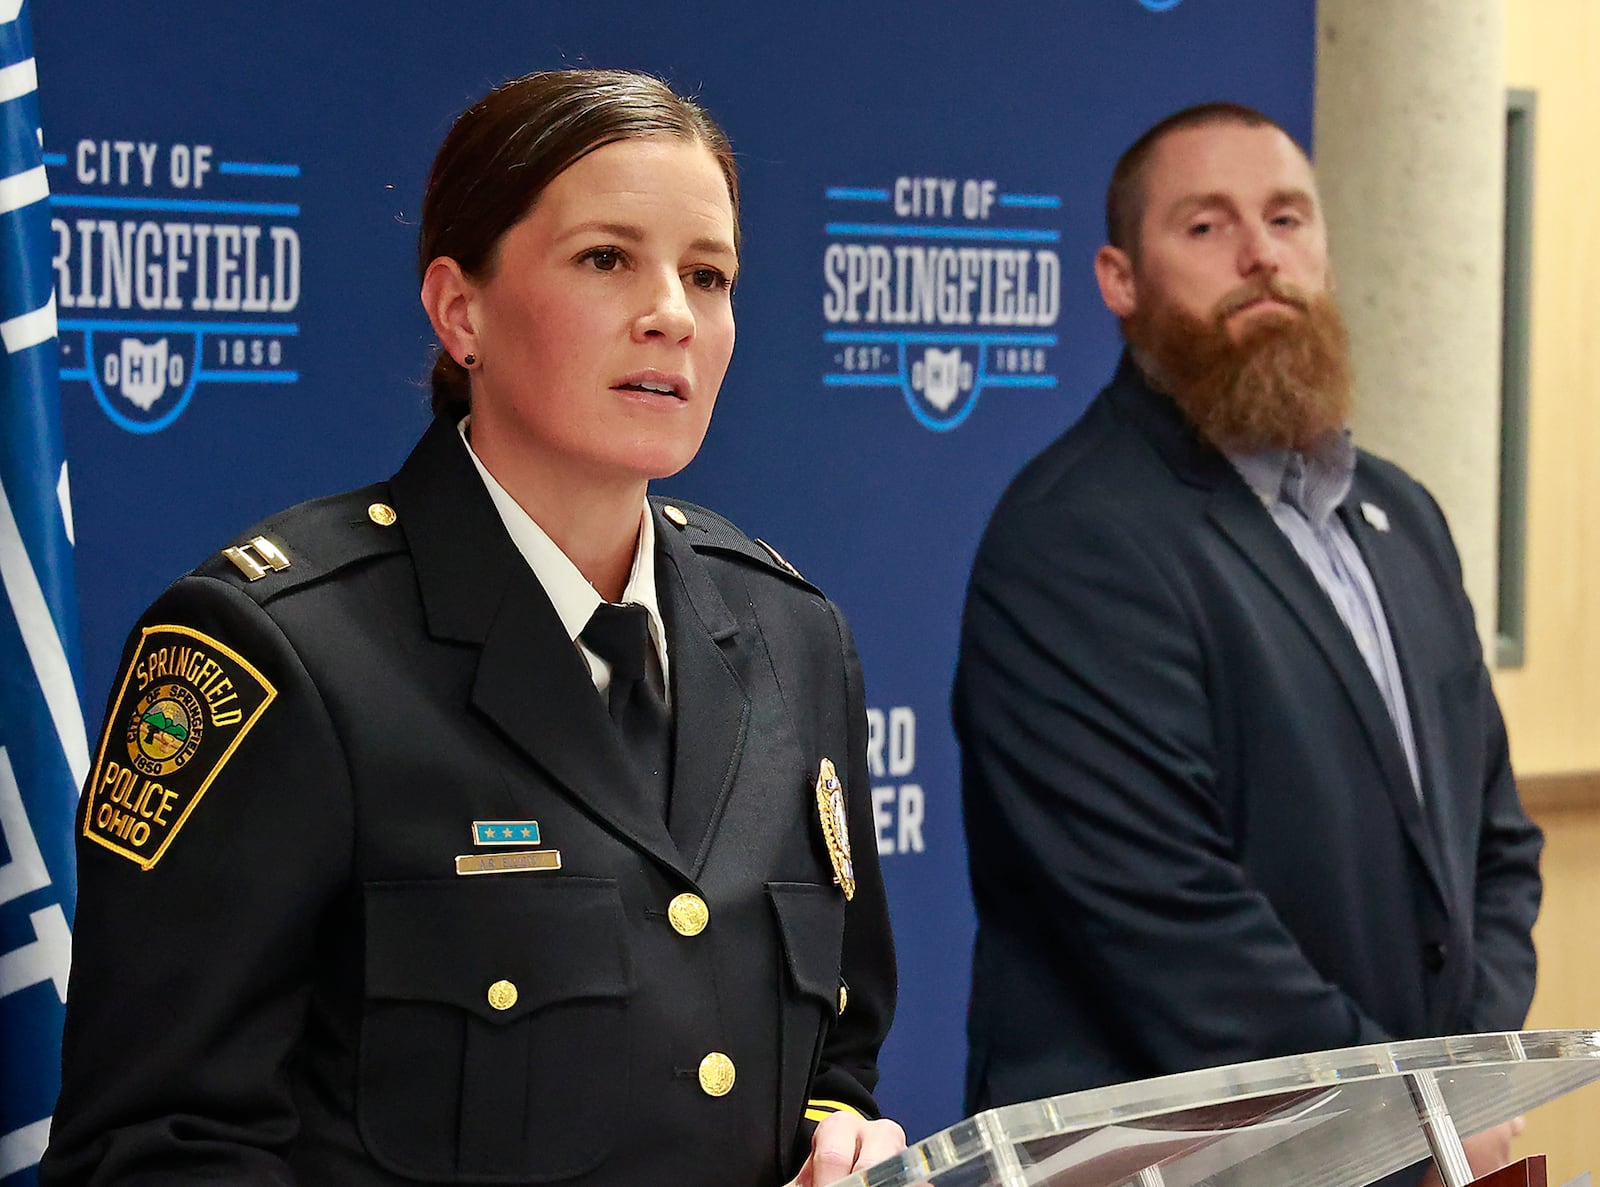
point(620, 635)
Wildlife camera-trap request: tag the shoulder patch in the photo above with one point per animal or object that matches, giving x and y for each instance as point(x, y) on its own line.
point(184, 705)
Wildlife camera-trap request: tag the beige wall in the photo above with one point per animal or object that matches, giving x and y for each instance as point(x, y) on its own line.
point(1552, 704)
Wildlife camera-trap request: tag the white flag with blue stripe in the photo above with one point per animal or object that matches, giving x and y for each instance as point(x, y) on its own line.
point(44, 754)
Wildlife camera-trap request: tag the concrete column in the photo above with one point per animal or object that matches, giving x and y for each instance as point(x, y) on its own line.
point(1409, 147)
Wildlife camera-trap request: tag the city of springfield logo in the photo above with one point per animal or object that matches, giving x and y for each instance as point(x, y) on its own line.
point(173, 269)
point(943, 288)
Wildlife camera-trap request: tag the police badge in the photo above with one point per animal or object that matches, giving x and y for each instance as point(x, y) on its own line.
point(835, 827)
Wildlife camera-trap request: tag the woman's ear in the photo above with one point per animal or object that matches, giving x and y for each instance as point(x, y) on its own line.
point(448, 299)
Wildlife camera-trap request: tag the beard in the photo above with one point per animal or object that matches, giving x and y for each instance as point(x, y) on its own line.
point(1283, 383)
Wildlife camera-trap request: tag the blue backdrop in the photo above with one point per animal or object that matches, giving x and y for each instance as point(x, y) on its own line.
point(236, 189)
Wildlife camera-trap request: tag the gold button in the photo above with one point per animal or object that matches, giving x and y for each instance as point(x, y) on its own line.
point(502, 995)
point(688, 914)
point(844, 996)
point(676, 516)
point(381, 514)
point(716, 1074)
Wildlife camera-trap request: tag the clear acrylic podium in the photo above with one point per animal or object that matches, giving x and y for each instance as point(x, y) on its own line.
point(1328, 1119)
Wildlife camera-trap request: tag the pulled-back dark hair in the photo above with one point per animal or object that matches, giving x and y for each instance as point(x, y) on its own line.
point(1125, 195)
point(505, 149)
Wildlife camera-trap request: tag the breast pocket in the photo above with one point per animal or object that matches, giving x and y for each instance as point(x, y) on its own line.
point(494, 1036)
point(811, 923)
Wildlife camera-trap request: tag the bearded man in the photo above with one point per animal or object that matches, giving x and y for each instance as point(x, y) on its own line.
point(1235, 782)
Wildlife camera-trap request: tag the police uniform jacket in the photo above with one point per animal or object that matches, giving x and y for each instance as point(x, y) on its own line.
point(280, 976)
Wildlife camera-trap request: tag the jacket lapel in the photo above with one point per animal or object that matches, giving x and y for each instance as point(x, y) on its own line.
point(530, 680)
point(1385, 553)
point(1249, 528)
point(532, 683)
point(710, 708)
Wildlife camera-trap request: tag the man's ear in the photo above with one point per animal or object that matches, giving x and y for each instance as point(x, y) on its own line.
point(448, 299)
point(1113, 270)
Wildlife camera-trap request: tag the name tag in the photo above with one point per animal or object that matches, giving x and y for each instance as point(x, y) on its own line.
point(508, 863)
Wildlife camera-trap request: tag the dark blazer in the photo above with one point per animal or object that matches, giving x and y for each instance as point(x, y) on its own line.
point(301, 988)
point(1193, 836)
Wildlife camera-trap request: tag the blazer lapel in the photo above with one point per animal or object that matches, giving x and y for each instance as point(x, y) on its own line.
point(530, 681)
point(1251, 530)
point(1239, 516)
point(1381, 550)
point(710, 708)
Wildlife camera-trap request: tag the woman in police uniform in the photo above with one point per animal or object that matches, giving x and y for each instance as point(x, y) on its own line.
point(408, 856)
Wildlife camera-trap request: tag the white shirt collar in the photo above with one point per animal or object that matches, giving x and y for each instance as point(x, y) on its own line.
point(569, 591)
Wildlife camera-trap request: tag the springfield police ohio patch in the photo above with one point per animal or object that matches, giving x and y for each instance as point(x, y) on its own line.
point(185, 704)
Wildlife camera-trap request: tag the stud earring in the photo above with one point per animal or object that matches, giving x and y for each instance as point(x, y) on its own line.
point(469, 360)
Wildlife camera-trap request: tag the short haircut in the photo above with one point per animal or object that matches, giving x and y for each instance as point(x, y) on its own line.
point(1125, 195)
